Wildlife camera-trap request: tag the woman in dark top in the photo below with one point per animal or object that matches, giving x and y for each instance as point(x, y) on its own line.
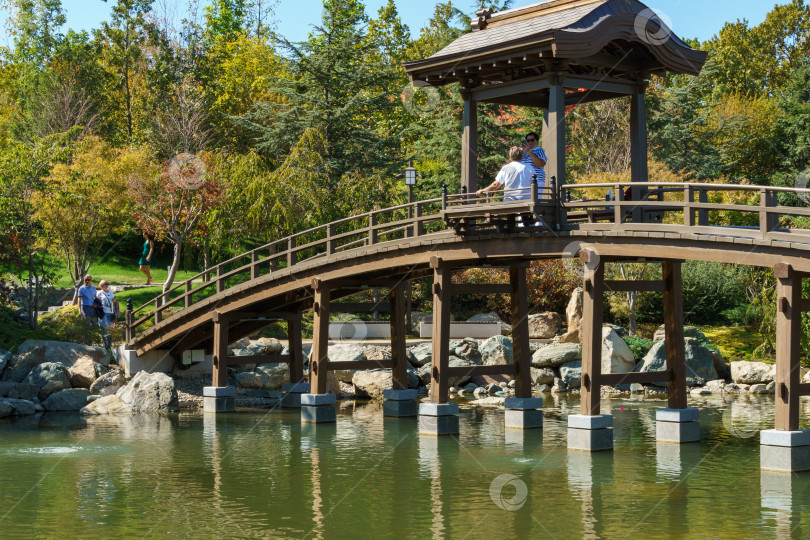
point(147, 257)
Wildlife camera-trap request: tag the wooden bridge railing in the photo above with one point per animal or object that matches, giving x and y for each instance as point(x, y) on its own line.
point(664, 207)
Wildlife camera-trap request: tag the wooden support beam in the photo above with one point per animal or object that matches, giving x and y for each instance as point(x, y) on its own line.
point(220, 356)
point(804, 389)
point(362, 364)
point(294, 340)
point(520, 332)
point(788, 347)
point(612, 379)
point(555, 138)
point(482, 288)
point(638, 145)
point(260, 359)
point(469, 142)
point(592, 303)
point(473, 371)
point(673, 331)
point(441, 331)
point(399, 373)
point(629, 286)
point(319, 364)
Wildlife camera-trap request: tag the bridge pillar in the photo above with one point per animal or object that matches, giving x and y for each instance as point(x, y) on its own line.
point(219, 397)
point(319, 362)
point(292, 391)
point(590, 430)
point(786, 448)
point(399, 401)
point(523, 411)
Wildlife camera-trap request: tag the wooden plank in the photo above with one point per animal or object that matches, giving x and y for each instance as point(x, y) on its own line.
point(473, 371)
point(294, 340)
point(641, 286)
point(260, 359)
point(220, 356)
point(319, 364)
point(592, 303)
point(483, 288)
point(673, 330)
point(399, 372)
point(788, 348)
point(362, 364)
point(519, 301)
point(441, 331)
point(613, 379)
point(483, 93)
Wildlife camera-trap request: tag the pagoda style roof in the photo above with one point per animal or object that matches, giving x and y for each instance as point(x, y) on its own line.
point(619, 39)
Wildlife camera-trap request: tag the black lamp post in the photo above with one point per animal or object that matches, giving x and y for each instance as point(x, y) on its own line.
point(410, 175)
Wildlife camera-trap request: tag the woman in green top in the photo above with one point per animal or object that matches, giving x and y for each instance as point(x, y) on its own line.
point(146, 258)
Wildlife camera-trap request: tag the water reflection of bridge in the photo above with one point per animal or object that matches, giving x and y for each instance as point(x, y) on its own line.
point(549, 55)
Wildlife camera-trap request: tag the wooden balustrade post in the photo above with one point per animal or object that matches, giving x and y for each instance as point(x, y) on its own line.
point(220, 356)
point(187, 299)
point(703, 215)
point(519, 298)
point(319, 362)
point(618, 209)
point(158, 311)
point(419, 228)
point(442, 274)
point(673, 328)
point(129, 319)
point(254, 264)
point(372, 231)
point(330, 242)
point(592, 302)
point(295, 344)
point(396, 297)
point(290, 252)
point(767, 221)
point(688, 211)
point(788, 346)
point(220, 280)
point(444, 196)
point(273, 259)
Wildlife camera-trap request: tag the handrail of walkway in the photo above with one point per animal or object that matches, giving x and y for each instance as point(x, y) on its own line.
point(425, 217)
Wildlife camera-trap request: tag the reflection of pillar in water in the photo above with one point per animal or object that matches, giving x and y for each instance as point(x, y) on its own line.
point(429, 462)
point(783, 496)
point(675, 460)
point(213, 447)
point(317, 495)
point(587, 474)
point(523, 441)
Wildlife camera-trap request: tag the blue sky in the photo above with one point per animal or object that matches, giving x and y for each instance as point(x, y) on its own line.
point(689, 18)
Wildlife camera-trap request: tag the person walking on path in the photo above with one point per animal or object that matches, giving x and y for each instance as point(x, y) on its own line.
point(147, 257)
point(87, 293)
point(108, 302)
point(535, 158)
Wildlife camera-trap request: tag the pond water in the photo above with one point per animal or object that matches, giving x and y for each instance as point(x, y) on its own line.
point(263, 474)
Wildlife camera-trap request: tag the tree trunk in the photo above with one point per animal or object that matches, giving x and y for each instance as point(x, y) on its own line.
point(631, 304)
point(178, 247)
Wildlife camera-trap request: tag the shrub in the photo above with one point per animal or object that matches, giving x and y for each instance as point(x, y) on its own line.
point(13, 333)
point(66, 325)
point(550, 285)
point(638, 346)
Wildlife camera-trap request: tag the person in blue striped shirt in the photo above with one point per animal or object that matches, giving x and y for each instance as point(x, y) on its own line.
point(534, 158)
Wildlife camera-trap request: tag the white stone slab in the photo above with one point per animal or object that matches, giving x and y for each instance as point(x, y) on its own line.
point(438, 409)
point(219, 391)
point(523, 404)
point(481, 330)
point(318, 399)
point(582, 421)
point(399, 395)
point(359, 330)
point(155, 361)
point(677, 415)
point(777, 437)
point(295, 388)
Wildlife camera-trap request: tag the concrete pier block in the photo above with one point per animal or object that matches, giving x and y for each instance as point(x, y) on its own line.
point(219, 399)
point(318, 408)
point(438, 419)
point(590, 433)
point(291, 397)
point(677, 425)
point(784, 451)
point(523, 413)
point(400, 403)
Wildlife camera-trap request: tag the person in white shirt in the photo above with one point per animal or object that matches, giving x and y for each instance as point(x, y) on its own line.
point(513, 175)
point(108, 302)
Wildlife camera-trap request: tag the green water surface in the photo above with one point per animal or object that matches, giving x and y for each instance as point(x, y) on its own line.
point(263, 474)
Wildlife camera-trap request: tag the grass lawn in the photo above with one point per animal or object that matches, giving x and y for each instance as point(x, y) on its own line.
point(121, 270)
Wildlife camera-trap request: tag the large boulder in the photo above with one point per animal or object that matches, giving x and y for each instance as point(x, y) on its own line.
point(109, 383)
point(71, 399)
point(573, 312)
point(273, 375)
point(466, 349)
point(19, 365)
point(345, 352)
point(542, 375)
point(18, 390)
point(699, 361)
point(421, 354)
point(497, 350)
point(688, 331)
point(492, 317)
point(417, 318)
point(556, 354)
point(22, 407)
point(752, 372)
point(84, 372)
point(616, 355)
point(66, 353)
point(271, 345)
point(5, 409)
point(150, 392)
point(377, 353)
point(372, 383)
point(5, 358)
point(111, 404)
point(463, 379)
point(49, 377)
point(544, 325)
point(571, 373)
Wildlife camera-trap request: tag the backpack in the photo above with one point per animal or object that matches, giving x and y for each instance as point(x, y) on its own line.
point(98, 308)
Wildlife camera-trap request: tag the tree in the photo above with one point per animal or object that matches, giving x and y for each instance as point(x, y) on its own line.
point(171, 202)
